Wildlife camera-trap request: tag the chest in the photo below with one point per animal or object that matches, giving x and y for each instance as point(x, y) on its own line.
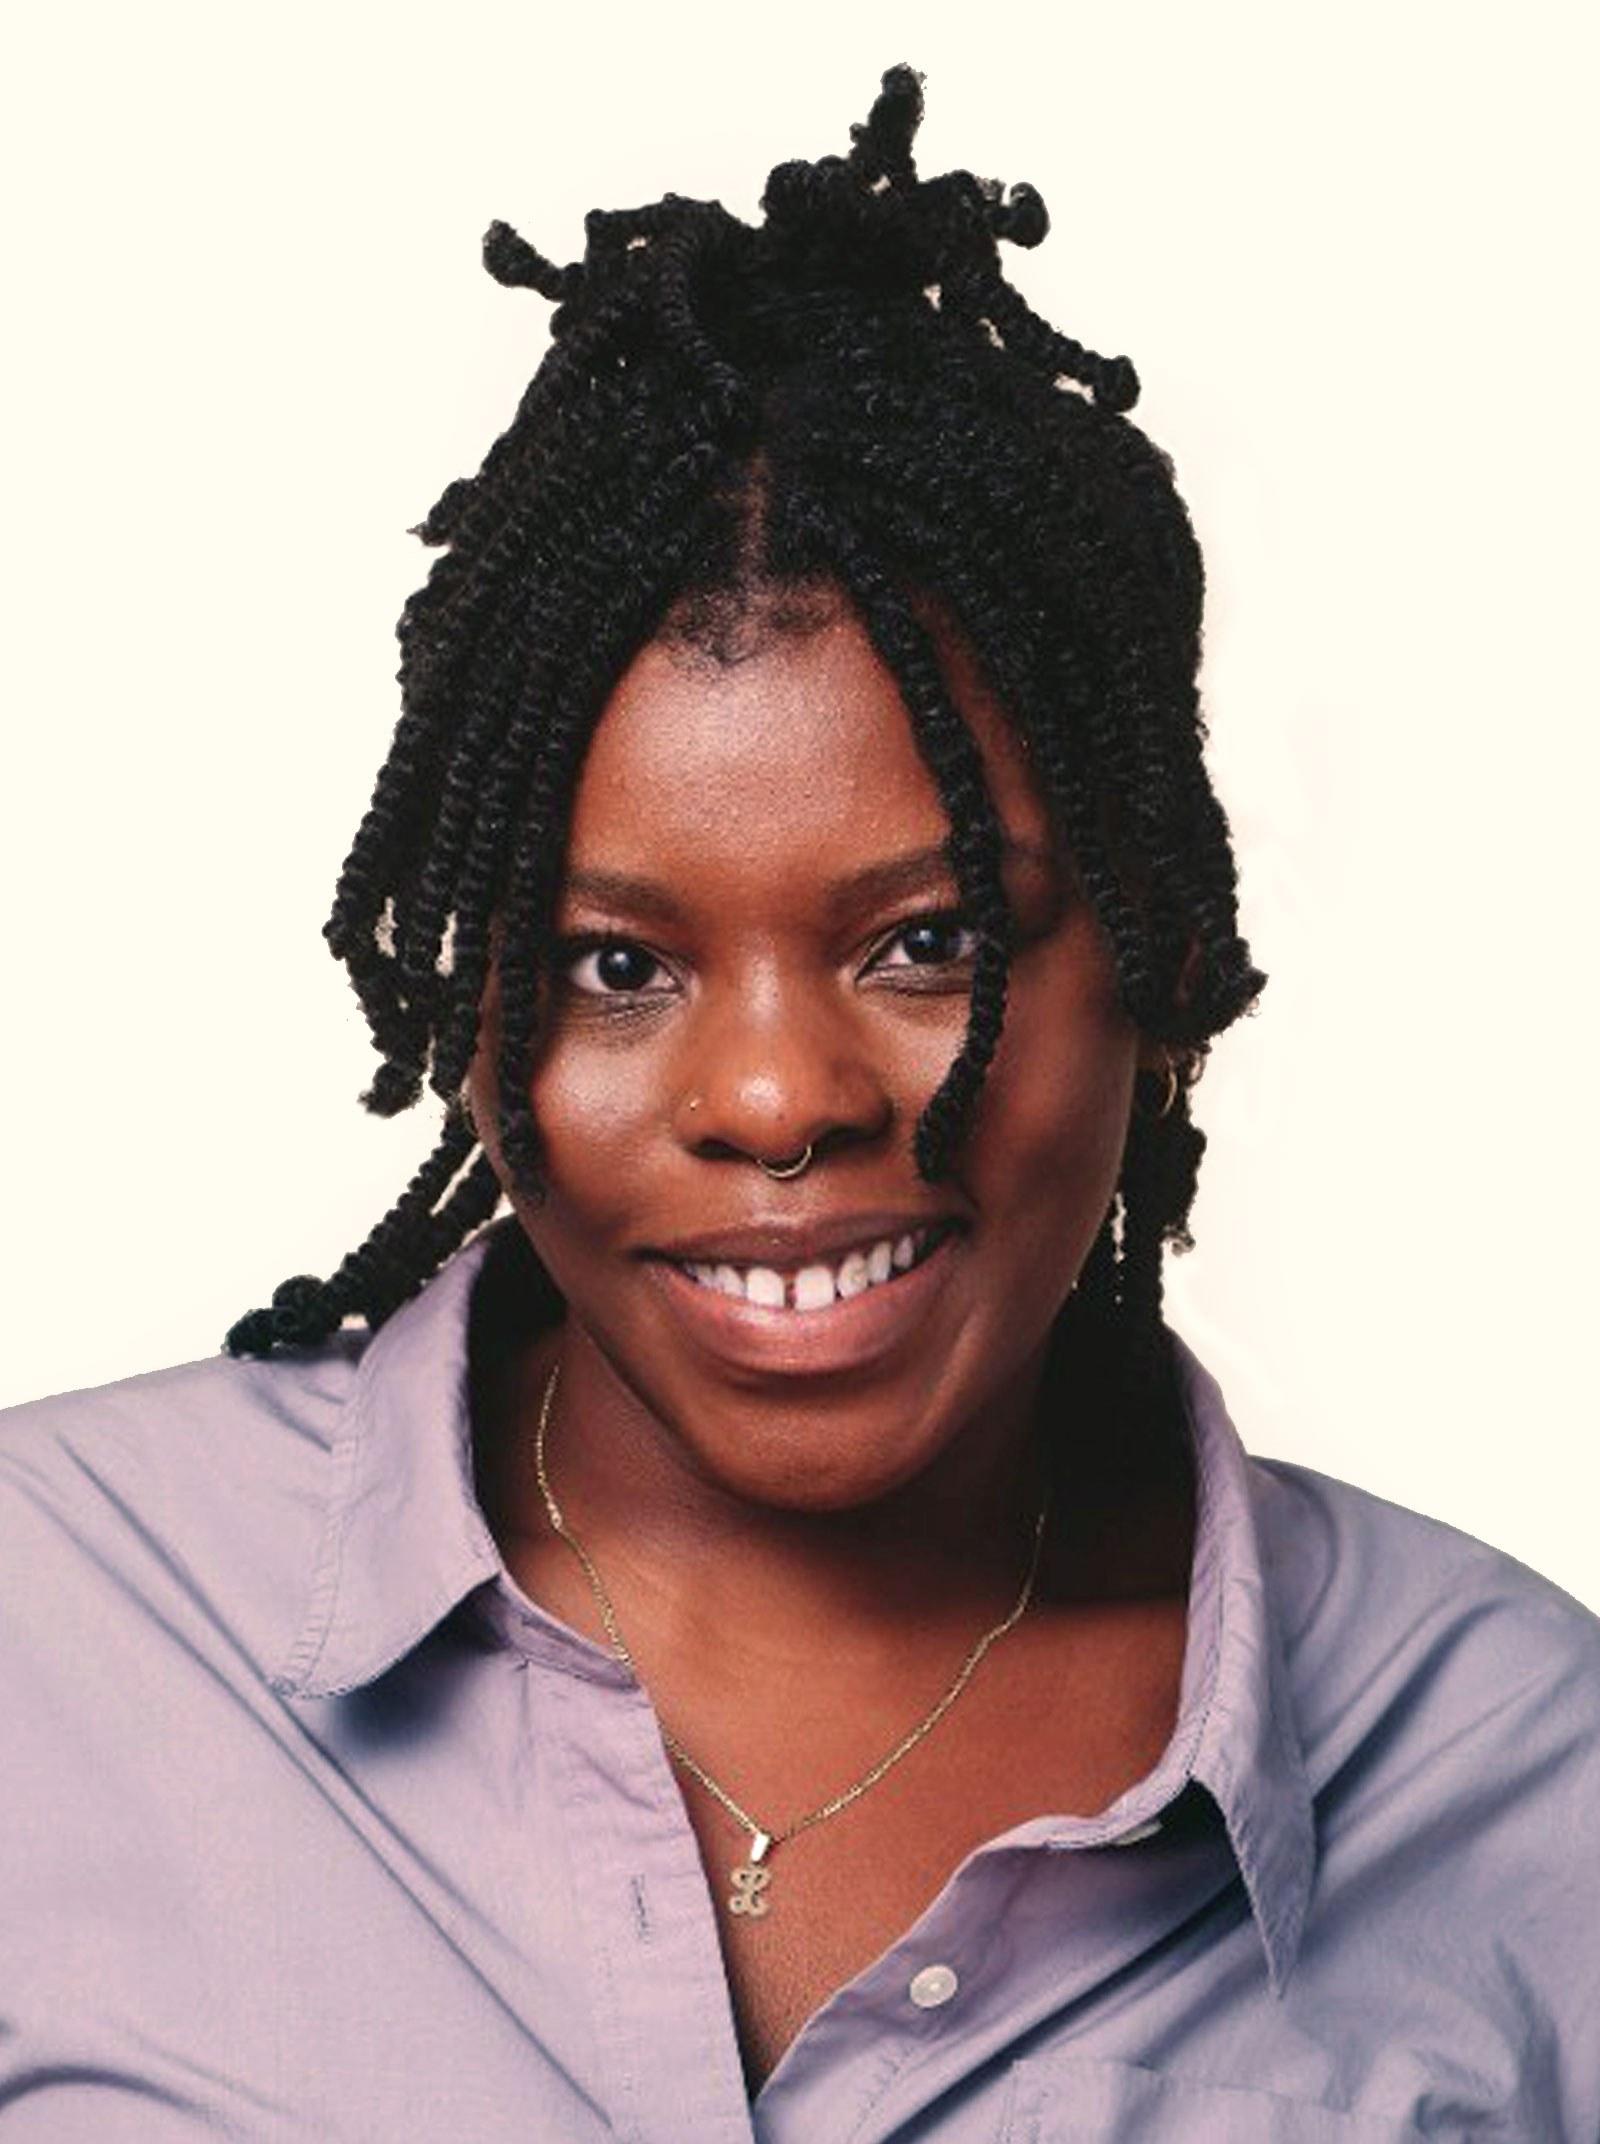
point(385, 1915)
point(1061, 1728)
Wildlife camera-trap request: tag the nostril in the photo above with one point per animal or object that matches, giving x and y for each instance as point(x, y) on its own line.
point(757, 1095)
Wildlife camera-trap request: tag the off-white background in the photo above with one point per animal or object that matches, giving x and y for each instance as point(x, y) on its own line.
point(1350, 250)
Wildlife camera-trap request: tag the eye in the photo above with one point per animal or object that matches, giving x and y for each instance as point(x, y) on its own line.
point(937, 941)
point(615, 967)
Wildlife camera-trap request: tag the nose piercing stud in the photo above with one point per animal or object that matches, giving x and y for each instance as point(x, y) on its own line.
point(782, 1171)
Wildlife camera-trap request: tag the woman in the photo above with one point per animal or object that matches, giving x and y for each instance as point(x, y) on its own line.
point(774, 1636)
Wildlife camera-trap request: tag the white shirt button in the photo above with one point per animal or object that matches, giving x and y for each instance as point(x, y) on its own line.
point(934, 1985)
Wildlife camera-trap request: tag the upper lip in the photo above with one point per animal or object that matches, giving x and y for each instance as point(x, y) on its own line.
point(796, 1243)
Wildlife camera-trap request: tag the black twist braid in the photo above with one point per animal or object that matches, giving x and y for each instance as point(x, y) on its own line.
point(976, 841)
point(1158, 1178)
point(614, 628)
point(377, 1276)
point(1160, 1166)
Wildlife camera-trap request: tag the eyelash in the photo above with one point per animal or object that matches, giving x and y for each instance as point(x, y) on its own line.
point(573, 952)
point(936, 916)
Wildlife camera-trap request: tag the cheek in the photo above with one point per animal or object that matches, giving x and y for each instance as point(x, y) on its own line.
point(594, 1105)
point(600, 1110)
point(1048, 1141)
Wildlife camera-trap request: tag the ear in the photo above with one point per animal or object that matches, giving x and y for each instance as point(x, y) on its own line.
point(1188, 975)
point(1156, 1056)
point(478, 1089)
point(489, 1000)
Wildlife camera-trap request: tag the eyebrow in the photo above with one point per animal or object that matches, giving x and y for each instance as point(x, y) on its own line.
point(894, 878)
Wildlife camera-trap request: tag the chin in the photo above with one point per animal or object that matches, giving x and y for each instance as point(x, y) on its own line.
point(806, 1455)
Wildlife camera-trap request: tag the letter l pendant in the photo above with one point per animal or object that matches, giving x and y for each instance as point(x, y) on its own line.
point(750, 1881)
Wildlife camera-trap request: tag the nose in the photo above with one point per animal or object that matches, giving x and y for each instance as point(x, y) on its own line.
point(769, 1072)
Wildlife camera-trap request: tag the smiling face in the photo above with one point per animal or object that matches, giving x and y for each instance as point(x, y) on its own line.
point(761, 953)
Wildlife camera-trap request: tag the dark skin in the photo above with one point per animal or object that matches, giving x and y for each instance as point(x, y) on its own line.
point(805, 1518)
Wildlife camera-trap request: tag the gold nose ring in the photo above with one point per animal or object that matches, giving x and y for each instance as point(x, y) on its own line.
point(782, 1171)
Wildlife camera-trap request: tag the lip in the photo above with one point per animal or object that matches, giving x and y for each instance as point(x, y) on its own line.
point(848, 1335)
point(792, 1243)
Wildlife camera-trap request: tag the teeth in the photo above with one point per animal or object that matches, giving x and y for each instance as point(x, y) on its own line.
point(763, 1286)
point(815, 1287)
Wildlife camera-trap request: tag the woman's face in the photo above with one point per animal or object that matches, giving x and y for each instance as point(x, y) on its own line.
point(761, 953)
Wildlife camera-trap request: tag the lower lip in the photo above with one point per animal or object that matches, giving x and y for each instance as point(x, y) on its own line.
point(808, 1343)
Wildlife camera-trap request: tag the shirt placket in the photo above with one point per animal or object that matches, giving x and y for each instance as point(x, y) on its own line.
point(663, 2020)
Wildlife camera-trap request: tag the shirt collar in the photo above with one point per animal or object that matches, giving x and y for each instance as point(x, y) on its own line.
point(404, 1538)
point(404, 1541)
point(1236, 1732)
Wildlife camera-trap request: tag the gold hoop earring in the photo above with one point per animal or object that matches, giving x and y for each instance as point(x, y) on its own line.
point(1182, 1068)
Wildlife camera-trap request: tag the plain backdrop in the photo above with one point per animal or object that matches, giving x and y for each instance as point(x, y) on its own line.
point(1350, 251)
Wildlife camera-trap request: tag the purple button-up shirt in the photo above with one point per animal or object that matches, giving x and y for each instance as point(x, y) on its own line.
point(314, 1826)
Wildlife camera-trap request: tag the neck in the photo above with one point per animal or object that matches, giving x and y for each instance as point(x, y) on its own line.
point(689, 1565)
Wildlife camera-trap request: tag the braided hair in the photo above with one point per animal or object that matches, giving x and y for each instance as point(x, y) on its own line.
point(846, 396)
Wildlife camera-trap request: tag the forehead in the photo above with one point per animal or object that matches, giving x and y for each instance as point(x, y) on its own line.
point(801, 748)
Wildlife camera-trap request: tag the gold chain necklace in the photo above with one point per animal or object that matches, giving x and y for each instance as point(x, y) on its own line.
point(751, 1880)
